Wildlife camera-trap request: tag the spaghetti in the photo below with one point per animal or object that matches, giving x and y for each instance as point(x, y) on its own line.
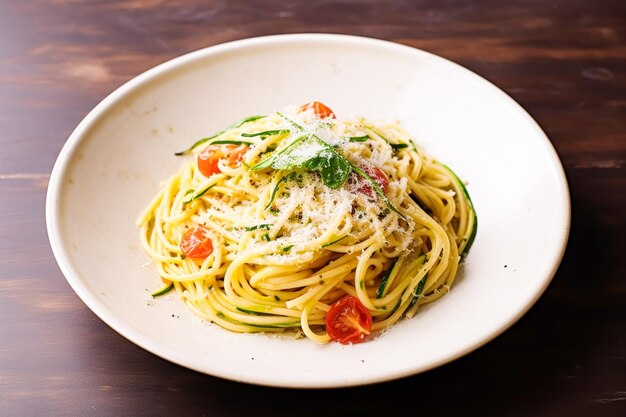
point(297, 220)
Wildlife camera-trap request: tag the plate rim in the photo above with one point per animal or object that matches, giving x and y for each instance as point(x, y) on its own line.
point(55, 186)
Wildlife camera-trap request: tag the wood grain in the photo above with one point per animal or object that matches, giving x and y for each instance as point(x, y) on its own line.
point(563, 60)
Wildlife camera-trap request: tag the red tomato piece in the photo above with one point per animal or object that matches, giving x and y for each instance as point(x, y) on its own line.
point(196, 243)
point(212, 154)
point(236, 154)
point(348, 321)
point(377, 175)
point(208, 159)
point(320, 110)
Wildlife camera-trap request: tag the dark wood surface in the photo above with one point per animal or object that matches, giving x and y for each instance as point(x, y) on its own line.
point(563, 60)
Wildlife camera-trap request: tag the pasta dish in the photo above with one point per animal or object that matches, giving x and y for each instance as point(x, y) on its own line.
point(299, 221)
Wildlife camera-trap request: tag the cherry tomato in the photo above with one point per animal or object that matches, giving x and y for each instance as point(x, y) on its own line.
point(236, 154)
point(377, 175)
point(320, 110)
point(196, 243)
point(348, 321)
point(211, 155)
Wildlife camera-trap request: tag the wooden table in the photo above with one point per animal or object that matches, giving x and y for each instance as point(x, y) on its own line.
point(563, 60)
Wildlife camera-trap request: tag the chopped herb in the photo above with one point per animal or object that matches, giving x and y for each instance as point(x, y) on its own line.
point(358, 138)
point(334, 241)
point(266, 237)
point(258, 226)
point(233, 126)
point(399, 145)
point(395, 146)
point(287, 248)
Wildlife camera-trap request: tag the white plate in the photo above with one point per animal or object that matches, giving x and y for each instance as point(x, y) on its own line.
point(113, 163)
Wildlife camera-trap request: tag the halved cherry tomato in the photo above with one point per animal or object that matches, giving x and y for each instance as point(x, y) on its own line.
point(319, 109)
point(377, 175)
point(196, 243)
point(348, 321)
point(211, 155)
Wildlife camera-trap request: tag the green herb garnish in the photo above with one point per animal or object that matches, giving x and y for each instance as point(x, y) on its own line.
point(311, 153)
point(470, 241)
point(358, 138)
point(395, 146)
point(383, 284)
point(231, 142)
point(265, 133)
point(276, 187)
point(399, 145)
point(251, 312)
point(258, 227)
point(379, 190)
point(163, 291)
point(197, 195)
point(420, 288)
point(334, 241)
point(233, 126)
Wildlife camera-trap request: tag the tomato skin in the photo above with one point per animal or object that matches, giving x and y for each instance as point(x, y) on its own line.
point(196, 243)
point(377, 175)
point(320, 110)
point(209, 157)
point(348, 321)
point(236, 154)
point(207, 161)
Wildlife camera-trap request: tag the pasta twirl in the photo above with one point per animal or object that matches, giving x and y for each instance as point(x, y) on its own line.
point(300, 221)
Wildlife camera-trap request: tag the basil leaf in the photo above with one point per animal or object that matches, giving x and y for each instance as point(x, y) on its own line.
point(269, 162)
point(311, 153)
